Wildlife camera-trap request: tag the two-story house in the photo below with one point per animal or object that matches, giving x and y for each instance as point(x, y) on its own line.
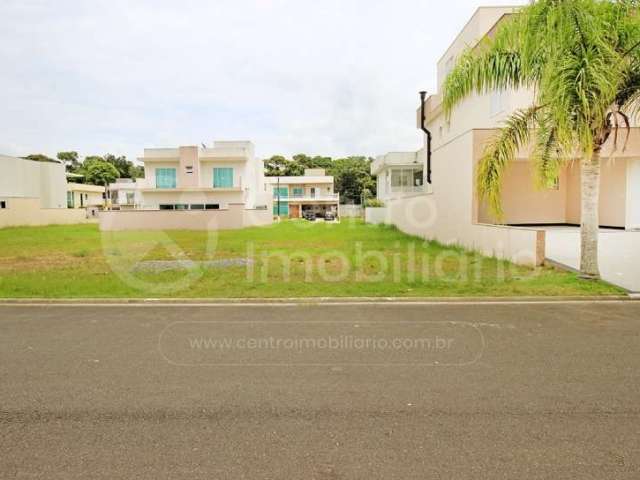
point(311, 192)
point(202, 178)
point(399, 174)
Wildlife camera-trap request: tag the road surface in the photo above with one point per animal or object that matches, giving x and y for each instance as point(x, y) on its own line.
point(467, 391)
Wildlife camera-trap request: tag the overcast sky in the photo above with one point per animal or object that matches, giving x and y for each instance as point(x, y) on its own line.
point(325, 77)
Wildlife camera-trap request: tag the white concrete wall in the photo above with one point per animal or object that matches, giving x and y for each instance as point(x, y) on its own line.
point(27, 212)
point(376, 215)
point(29, 179)
point(234, 217)
point(350, 211)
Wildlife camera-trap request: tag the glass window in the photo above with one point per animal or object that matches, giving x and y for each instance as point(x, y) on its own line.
point(165, 178)
point(212, 206)
point(284, 208)
point(417, 178)
point(3, 204)
point(283, 191)
point(166, 207)
point(197, 206)
point(298, 192)
point(223, 178)
point(70, 200)
point(182, 206)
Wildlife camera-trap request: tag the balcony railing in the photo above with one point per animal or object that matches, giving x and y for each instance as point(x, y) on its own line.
point(408, 189)
point(309, 197)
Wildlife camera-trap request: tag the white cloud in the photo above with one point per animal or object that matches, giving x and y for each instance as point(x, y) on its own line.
point(323, 77)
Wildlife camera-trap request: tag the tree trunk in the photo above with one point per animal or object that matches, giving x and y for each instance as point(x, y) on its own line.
point(590, 222)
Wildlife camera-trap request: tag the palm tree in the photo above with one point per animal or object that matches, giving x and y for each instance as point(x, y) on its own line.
point(581, 59)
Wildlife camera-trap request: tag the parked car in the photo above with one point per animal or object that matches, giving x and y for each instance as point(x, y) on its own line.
point(329, 216)
point(309, 215)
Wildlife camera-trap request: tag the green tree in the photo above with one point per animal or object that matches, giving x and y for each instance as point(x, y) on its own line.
point(352, 178)
point(276, 165)
point(100, 172)
point(70, 160)
point(39, 157)
point(581, 58)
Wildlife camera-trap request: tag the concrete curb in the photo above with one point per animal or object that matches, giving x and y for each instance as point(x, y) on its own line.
point(312, 300)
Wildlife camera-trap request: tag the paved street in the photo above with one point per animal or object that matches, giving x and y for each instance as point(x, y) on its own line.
point(472, 391)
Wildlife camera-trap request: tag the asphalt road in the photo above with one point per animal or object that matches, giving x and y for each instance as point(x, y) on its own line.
point(446, 391)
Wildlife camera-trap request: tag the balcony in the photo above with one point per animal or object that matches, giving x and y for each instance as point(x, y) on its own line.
point(408, 189)
point(393, 159)
point(306, 197)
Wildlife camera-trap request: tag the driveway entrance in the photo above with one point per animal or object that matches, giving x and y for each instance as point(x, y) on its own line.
point(618, 250)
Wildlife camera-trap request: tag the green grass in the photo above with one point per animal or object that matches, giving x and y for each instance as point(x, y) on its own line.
point(291, 259)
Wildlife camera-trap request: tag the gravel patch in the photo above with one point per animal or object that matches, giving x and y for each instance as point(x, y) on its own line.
point(156, 266)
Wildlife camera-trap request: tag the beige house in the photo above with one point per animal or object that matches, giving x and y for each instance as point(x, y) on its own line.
point(202, 178)
point(80, 195)
point(309, 193)
point(124, 194)
point(448, 209)
point(35, 193)
point(191, 187)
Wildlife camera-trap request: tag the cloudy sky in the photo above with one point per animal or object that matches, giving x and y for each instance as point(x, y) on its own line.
point(326, 77)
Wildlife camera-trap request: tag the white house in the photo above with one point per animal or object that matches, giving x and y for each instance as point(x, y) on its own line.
point(124, 194)
point(192, 188)
point(296, 195)
point(202, 178)
point(399, 174)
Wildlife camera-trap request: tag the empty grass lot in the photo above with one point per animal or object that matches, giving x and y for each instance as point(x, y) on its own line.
point(290, 259)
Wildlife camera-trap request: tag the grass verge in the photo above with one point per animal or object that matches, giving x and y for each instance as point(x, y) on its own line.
point(290, 259)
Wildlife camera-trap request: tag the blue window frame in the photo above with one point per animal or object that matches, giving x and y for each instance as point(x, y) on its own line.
point(165, 178)
point(223, 178)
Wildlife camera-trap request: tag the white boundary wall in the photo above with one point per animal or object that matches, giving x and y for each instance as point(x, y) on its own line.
point(350, 211)
point(376, 215)
point(231, 218)
point(418, 215)
point(27, 212)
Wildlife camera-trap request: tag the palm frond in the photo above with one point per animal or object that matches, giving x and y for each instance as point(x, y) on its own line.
point(500, 150)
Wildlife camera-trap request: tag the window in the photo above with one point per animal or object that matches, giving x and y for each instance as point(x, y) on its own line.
point(212, 206)
point(166, 207)
point(417, 178)
point(70, 203)
point(223, 178)
point(165, 178)
point(283, 206)
point(282, 191)
point(189, 169)
point(3, 204)
point(298, 192)
point(181, 206)
point(197, 206)
point(407, 179)
point(130, 198)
